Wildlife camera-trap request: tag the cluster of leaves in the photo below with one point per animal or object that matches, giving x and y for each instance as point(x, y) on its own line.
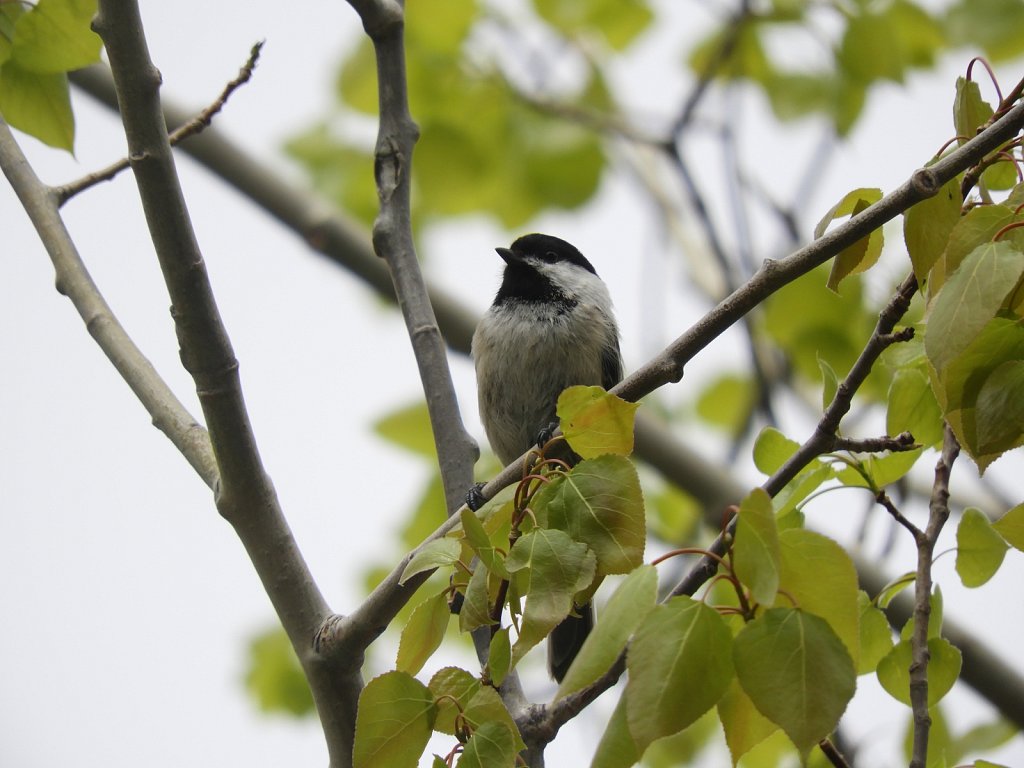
point(876, 42)
point(780, 651)
point(482, 148)
point(39, 45)
point(535, 557)
point(488, 146)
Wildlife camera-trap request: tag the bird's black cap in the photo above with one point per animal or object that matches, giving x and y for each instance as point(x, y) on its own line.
point(547, 248)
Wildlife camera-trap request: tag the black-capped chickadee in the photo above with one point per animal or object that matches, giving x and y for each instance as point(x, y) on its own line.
point(550, 327)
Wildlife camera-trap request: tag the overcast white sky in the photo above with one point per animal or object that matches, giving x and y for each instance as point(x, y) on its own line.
point(126, 601)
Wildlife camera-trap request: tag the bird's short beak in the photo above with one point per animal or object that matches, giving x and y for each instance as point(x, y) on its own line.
point(510, 256)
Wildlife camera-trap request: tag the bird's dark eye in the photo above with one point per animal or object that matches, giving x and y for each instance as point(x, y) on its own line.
point(550, 257)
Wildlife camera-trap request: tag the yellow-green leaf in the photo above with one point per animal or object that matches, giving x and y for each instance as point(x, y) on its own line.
point(927, 227)
point(772, 449)
point(556, 568)
point(393, 722)
point(743, 725)
point(875, 635)
point(979, 549)
point(969, 299)
point(38, 104)
point(943, 670)
point(680, 664)
point(796, 671)
point(626, 608)
point(492, 745)
point(756, 553)
point(595, 422)
point(55, 37)
point(1011, 526)
point(819, 576)
point(423, 634)
point(599, 502)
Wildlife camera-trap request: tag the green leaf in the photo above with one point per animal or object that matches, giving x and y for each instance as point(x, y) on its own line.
point(409, 428)
point(850, 204)
point(797, 672)
point(970, 111)
point(441, 29)
point(970, 299)
point(772, 449)
point(819, 576)
point(986, 736)
point(596, 423)
point(756, 551)
point(912, 407)
point(875, 635)
point(626, 608)
point(556, 569)
point(829, 383)
point(974, 228)
point(599, 503)
point(616, 748)
point(859, 256)
point(747, 57)
point(476, 607)
point(38, 104)
point(943, 670)
point(743, 725)
point(1011, 527)
point(992, 24)
point(480, 542)
point(1000, 409)
point(959, 387)
point(485, 706)
point(452, 689)
point(893, 588)
point(870, 49)
point(423, 634)
point(727, 401)
point(875, 471)
point(920, 35)
point(55, 37)
point(679, 666)
point(934, 618)
point(928, 225)
point(829, 326)
point(685, 747)
point(393, 722)
point(275, 678)
point(618, 21)
point(433, 554)
point(499, 657)
point(492, 745)
point(979, 549)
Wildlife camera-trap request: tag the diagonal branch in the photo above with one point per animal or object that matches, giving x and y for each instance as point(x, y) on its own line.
point(74, 281)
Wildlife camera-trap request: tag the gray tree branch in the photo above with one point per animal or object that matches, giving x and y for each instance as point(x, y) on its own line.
point(74, 281)
point(457, 452)
point(244, 494)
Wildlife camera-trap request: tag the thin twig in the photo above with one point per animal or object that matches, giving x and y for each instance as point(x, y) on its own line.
point(887, 503)
point(901, 442)
point(190, 128)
